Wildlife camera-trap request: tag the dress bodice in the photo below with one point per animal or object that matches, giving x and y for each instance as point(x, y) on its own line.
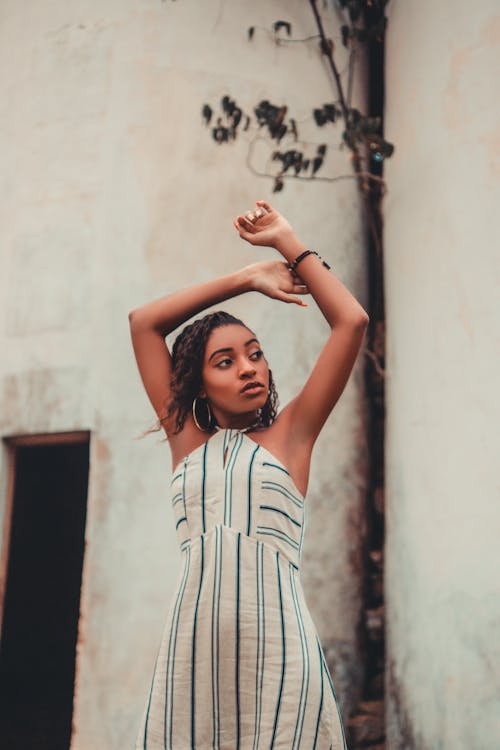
point(232, 481)
point(240, 663)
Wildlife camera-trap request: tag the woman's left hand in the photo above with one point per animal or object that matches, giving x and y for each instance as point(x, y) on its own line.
point(263, 226)
point(274, 279)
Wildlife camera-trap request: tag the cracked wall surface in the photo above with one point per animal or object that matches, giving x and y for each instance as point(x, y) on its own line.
point(443, 405)
point(113, 194)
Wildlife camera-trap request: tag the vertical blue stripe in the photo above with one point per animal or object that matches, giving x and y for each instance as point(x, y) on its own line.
point(225, 444)
point(228, 485)
point(149, 700)
point(203, 483)
point(215, 636)
point(237, 640)
point(193, 659)
point(305, 664)
point(283, 653)
point(335, 699)
point(321, 697)
point(249, 504)
point(303, 531)
point(259, 670)
point(169, 692)
point(184, 468)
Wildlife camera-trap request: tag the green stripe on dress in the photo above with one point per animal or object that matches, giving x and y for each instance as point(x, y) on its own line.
point(270, 531)
point(237, 640)
point(169, 691)
point(283, 654)
point(283, 512)
point(203, 483)
point(276, 466)
point(215, 635)
point(276, 487)
point(335, 698)
point(321, 696)
point(228, 484)
point(305, 662)
point(193, 658)
point(249, 486)
point(149, 699)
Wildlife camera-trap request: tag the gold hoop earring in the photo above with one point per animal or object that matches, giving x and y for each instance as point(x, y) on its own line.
point(210, 416)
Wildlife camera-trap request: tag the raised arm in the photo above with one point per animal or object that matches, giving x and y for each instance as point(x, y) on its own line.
point(305, 415)
point(150, 323)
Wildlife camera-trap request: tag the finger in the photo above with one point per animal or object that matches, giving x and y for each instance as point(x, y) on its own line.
point(298, 283)
point(294, 274)
point(284, 297)
point(239, 228)
point(265, 205)
point(245, 224)
point(295, 289)
point(244, 234)
point(250, 216)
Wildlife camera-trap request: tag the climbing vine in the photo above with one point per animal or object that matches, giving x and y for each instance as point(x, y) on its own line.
point(362, 25)
point(290, 157)
point(360, 136)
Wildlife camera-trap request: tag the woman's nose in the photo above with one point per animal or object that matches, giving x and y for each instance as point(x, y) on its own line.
point(247, 368)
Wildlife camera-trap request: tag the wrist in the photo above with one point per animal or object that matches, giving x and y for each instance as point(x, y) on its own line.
point(245, 279)
point(289, 246)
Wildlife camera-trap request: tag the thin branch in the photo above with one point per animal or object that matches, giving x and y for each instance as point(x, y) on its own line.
point(283, 40)
point(309, 178)
point(350, 78)
point(291, 40)
point(326, 49)
point(373, 227)
point(378, 367)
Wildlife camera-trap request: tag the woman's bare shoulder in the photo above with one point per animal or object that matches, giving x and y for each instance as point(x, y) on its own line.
point(281, 439)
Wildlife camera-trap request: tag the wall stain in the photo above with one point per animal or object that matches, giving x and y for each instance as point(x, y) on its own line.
point(401, 734)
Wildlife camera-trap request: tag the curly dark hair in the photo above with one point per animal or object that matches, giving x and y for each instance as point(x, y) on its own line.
point(188, 353)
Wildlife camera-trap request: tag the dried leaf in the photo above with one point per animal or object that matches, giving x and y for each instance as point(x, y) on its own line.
point(346, 33)
point(317, 162)
point(277, 25)
point(330, 112)
point(207, 113)
point(319, 117)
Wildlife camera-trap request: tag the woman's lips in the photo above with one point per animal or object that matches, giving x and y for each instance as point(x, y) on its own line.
point(252, 388)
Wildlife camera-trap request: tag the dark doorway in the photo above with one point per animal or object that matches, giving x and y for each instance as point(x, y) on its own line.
point(46, 540)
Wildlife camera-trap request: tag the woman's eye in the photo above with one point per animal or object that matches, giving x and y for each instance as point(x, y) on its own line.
point(223, 362)
point(257, 355)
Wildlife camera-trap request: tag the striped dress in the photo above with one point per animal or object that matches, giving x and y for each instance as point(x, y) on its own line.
point(240, 665)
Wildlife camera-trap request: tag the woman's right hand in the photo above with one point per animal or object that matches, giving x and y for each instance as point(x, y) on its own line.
point(263, 226)
point(274, 279)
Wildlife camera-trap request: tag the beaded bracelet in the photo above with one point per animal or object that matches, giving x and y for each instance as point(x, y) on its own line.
point(303, 255)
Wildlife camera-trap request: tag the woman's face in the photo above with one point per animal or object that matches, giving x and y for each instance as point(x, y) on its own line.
point(235, 373)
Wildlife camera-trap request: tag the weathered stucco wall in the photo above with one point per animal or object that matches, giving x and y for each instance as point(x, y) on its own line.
point(113, 193)
point(443, 287)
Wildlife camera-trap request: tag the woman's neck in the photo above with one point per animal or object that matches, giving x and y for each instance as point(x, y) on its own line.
point(242, 425)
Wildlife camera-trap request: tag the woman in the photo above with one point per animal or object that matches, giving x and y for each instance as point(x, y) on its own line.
point(240, 664)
